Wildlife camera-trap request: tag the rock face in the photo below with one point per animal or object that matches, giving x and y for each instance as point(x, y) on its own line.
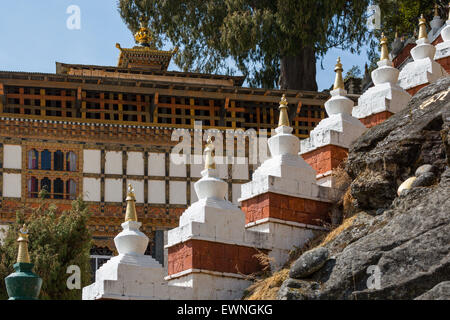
point(402, 251)
point(439, 292)
point(309, 262)
point(390, 153)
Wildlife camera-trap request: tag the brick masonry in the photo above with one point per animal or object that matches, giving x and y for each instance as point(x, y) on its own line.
point(445, 63)
point(413, 91)
point(376, 119)
point(287, 208)
point(326, 158)
point(213, 256)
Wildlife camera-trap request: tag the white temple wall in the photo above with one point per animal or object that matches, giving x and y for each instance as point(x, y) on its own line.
point(12, 185)
point(92, 161)
point(156, 164)
point(91, 189)
point(113, 164)
point(113, 190)
point(157, 191)
point(177, 192)
point(12, 157)
point(135, 164)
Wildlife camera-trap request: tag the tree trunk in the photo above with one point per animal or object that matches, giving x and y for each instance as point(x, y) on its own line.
point(299, 72)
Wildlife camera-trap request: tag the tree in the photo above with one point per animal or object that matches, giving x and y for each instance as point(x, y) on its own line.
point(56, 242)
point(272, 42)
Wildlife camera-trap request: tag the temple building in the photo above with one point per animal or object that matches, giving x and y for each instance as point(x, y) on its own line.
point(92, 130)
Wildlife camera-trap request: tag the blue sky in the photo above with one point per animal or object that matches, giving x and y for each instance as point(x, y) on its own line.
point(34, 35)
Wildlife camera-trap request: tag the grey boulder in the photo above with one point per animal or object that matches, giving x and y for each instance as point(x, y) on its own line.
point(309, 262)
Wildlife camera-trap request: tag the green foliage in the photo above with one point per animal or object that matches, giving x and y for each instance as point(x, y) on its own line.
point(253, 34)
point(56, 242)
point(354, 72)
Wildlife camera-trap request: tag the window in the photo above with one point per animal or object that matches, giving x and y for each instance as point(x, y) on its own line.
point(33, 185)
point(71, 189)
point(46, 158)
point(46, 184)
point(33, 159)
point(71, 161)
point(58, 157)
point(58, 189)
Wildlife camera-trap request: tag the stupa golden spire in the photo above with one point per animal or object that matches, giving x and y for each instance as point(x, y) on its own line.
point(130, 214)
point(422, 28)
point(23, 256)
point(284, 117)
point(339, 81)
point(384, 48)
point(209, 149)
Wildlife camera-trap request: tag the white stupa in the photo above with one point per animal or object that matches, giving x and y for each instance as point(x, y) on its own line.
point(424, 69)
point(295, 176)
point(340, 128)
point(386, 95)
point(131, 274)
point(443, 48)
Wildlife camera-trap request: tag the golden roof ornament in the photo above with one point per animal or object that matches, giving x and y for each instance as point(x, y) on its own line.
point(143, 36)
point(23, 255)
point(384, 48)
point(339, 81)
point(130, 214)
point(423, 28)
point(209, 161)
point(436, 10)
point(284, 116)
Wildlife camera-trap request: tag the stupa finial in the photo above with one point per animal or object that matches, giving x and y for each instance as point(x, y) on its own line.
point(339, 81)
point(23, 255)
point(144, 35)
point(423, 28)
point(284, 117)
point(384, 48)
point(130, 214)
point(209, 149)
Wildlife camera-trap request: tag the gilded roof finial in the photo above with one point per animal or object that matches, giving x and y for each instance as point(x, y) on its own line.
point(384, 48)
point(130, 214)
point(23, 256)
point(436, 10)
point(143, 36)
point(423, 28)
point(339, 81)
point(209, 149)
point(284, 117)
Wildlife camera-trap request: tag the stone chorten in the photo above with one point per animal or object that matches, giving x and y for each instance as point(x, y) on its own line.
point(443, 48)
point(328, 143)
point(437, 22)
point(131, 274)
point(423, 70)
point(23, 284)
point(386, 97)
point(210, 250)
point(283, 199)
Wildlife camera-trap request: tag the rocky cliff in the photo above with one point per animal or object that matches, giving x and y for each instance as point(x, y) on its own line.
point(390, 246)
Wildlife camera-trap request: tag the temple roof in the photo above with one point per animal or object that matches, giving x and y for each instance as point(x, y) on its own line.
point(149, 74)
point(144, 58)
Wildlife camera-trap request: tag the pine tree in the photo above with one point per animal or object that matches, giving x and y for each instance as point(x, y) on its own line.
point(57, 240)
point(271, 41)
